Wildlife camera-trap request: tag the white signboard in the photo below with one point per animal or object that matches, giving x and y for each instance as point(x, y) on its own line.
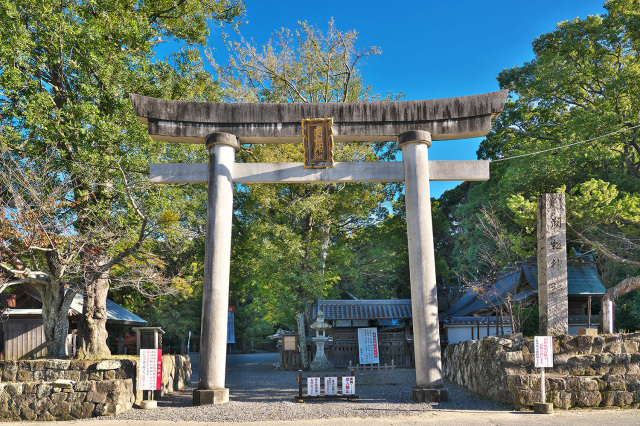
point(368, 345)
point(543, 351)
point(330, 385)
point(313, 386)
point(150, 369)
point(349, 385)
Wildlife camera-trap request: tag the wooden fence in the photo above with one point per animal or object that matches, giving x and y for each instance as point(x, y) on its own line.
point(393, 347)
point(343, 350)
point(375, 373)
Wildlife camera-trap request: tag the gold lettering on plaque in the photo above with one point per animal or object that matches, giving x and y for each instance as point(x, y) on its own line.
point(317, 138)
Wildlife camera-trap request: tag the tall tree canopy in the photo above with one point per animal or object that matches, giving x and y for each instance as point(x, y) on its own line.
point(573, 116)
point(66, 71)
point(290, 239)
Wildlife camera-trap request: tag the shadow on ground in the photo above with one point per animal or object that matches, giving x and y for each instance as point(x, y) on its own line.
point(252, 378)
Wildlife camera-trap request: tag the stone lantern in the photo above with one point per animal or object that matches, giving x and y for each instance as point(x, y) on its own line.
point(320, 361)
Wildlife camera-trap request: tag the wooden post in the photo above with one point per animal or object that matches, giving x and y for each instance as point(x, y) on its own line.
point(488, 330)
point(543, 387)
point(393, 373)
point(589, 312)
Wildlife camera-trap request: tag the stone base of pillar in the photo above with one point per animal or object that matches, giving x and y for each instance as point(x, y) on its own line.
point(148, 404)
point(430, 395)
point(210, 396)
point(543, 408)
point(321, 365)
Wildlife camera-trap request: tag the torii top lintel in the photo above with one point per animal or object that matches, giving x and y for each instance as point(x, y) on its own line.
point(190, 122)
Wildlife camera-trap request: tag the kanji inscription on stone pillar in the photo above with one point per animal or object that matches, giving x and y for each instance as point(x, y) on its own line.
point(552, 265)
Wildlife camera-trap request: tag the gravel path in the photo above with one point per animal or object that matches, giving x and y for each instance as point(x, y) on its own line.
point(261, 393)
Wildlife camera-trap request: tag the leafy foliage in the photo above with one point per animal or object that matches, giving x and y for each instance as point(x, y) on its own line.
point(571, 124)
point(294, 243)
point(66, 71)
point(579, 85)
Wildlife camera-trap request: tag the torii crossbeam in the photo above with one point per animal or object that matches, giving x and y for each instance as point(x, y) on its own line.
point(222, 127)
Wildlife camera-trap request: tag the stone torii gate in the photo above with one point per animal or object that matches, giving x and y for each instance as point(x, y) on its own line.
point(222, 127)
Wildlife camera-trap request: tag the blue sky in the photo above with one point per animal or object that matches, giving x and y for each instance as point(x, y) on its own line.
point(430, 49)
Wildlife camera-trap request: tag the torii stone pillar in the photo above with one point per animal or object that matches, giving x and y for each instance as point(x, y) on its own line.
point(215, 293)
point(422, 266)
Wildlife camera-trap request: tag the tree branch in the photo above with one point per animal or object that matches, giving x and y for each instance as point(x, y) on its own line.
point(603, 250)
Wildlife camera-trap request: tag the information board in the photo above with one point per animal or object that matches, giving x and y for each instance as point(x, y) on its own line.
point(150, 370)
point(313, 386)
point(289, 343)
point(330, 385)
point(543, 346)
point(349, 385)
point(368, 345)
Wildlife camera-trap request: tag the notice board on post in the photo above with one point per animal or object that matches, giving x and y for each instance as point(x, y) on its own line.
point(289, 343)
point(150, 369)
point(543, 351)
point(368, 345)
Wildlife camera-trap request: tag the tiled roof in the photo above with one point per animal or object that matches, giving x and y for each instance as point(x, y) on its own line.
point(116, 314)
point(582, 278)
point(502, 290)
point(472, 320)
point(363, 309)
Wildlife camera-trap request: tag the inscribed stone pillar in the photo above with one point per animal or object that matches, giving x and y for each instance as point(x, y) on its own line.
point(424, 302)
point(553, 301)
point(215, 294)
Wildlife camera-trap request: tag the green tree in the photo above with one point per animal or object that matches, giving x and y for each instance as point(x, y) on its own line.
point(66, 71)
point(600, 218)
point(41, 246)
point(581, 85)
point(284, 233)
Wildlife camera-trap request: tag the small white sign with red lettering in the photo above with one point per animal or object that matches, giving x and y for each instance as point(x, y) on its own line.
point(313, 386)
point(349, 385)
point(150, 369)
point(543, 351)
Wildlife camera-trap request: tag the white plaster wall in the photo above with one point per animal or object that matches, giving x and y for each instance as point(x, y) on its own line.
point(462, 333)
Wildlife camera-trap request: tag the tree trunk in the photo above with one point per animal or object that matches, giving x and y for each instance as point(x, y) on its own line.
point(55, 308)
point(326, 234)
point(93, 331)
point(302, 338)
point(515, 328)
point(121, 344)
point(611, 295)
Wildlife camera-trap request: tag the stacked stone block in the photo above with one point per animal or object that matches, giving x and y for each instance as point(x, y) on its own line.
point(589, 371)
point(68, 390)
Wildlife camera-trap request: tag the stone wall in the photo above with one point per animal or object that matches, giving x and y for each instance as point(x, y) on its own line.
point(589, 371)
point(68, 390)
